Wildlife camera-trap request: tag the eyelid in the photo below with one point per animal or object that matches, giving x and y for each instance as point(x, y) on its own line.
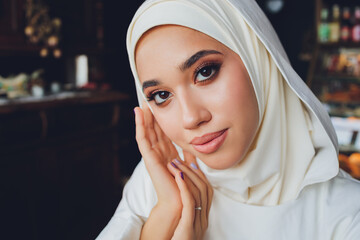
point(149, 91)
point(151, 96)
point(206, 64)
point(215, 64)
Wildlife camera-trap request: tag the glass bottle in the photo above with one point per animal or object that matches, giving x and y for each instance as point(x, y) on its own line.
point(356, 28)
point(345, 25)
point(334, 24)
point(324, 30)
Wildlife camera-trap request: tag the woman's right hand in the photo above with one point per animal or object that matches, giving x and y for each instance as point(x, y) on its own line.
point(196, 196)
point(157, 150)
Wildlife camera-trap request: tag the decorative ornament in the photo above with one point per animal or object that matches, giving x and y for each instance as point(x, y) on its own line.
point(41, 29)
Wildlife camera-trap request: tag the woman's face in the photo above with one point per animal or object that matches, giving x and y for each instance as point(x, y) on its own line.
point(200, 93)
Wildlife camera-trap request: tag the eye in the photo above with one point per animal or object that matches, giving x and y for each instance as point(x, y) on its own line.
point(207, 72)
point(159, 97)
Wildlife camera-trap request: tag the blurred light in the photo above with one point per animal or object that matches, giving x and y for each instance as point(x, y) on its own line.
point(44, 52)
point(274, 6)
point(81, 62)
point(57, 53)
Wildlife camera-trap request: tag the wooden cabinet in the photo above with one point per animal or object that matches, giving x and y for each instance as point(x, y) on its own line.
point(60, 167)
point(12, 24)
point(82, 26)
point(62, 162)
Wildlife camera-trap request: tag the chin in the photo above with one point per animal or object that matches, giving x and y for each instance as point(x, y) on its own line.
point(219, 160)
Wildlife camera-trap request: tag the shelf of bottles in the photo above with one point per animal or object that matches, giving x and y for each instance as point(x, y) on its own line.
point(336, 78)
point(339, 23)
point(337, 75)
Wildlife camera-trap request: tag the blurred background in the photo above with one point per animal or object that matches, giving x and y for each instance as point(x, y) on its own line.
point(67, 95)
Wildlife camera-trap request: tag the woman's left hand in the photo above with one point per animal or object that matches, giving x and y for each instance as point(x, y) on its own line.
point(196, 196)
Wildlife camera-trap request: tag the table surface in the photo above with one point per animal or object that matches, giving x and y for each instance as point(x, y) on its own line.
point(60, 99)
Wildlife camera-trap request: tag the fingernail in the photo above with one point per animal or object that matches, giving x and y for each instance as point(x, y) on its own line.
point(182, 175)
point(134, 111)
point(177, 161)
point(173, 164)
point(193, 165)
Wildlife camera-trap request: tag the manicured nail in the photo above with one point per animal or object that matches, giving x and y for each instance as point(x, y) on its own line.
point(182, 175)
point(193, 165)
point(177, 161)
point(173, 164)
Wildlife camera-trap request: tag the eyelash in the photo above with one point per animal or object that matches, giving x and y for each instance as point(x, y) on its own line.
point(214, 66)
point(153, 95)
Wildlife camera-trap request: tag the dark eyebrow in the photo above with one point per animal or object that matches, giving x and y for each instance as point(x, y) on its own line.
point(194, 58)
point(150, 83)
point(187, 64)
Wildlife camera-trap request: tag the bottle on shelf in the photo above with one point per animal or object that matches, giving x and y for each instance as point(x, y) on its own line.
point(356, 27)
point(324, 29)
point(334, 25)
point(346, 25)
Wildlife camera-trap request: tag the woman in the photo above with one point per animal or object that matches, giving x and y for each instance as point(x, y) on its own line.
point(235, 145)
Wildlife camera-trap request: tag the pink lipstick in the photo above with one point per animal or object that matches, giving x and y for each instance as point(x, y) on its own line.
point(210, 142)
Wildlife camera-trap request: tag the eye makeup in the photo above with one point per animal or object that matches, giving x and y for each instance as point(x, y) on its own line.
point(204, 73)
point(158, 96)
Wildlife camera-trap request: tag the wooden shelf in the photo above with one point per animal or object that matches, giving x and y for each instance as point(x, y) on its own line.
point(330, 46)
point(61, 99)
point(345, 78)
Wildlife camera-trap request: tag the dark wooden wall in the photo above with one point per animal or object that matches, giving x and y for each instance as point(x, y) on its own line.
point(63, 163)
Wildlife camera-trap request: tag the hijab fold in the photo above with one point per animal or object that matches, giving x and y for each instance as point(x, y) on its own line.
point(295, 144)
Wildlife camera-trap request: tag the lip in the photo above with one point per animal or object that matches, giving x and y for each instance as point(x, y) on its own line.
point(210, 142)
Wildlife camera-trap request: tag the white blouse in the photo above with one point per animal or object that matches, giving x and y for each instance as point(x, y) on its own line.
point(323, 211)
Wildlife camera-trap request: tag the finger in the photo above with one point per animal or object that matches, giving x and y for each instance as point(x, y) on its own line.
point(140, 135)
point(190, 198)
point(159, 132)
point(191, 161)
point(203, 188)
point(164, 143)
point(191, 186)
point(156, 169)
point(200, 223)
point(149, 124)
point(188, 213)
point(175, 171)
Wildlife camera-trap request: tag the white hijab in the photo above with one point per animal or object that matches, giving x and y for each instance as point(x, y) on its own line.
point(296, 144)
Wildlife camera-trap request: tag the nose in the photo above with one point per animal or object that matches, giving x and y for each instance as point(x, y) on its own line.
point(194, 112)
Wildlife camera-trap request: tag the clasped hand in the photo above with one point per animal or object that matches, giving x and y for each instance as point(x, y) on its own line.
point(184, 194)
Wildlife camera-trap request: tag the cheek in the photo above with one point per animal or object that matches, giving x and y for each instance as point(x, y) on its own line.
point(244, 109)
point(234, 96)
point(169, 122)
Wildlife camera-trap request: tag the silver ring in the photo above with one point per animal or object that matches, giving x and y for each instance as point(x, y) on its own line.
point(198, 208)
